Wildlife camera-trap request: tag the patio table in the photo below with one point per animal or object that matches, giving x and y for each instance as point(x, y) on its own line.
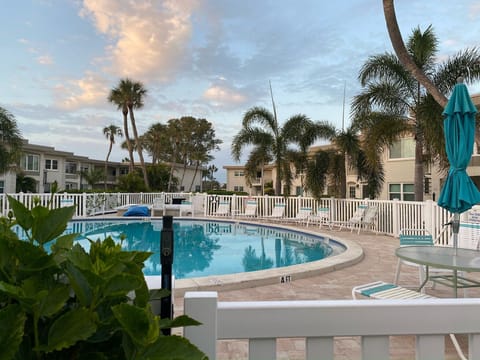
point(457, 260)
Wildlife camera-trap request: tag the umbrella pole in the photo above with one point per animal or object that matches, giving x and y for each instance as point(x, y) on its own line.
point(455, 230)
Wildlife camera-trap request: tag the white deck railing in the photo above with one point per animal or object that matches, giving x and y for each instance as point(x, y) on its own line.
point(321, 322)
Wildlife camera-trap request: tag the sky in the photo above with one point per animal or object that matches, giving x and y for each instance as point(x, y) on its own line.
point(209, 59)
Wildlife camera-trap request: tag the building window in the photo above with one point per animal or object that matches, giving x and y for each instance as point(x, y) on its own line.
point(2, 186)
point(51, 164)
point(403, 148)
point(197, 188)
point(352, 192)
point(298, 190)
point(71, 168)
point(401, 192)
point(238, 188)
point(238, 173)
point(70, 186)
point(30, 163)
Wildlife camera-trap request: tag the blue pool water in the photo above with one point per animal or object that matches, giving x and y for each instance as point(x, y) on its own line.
point(204, 248)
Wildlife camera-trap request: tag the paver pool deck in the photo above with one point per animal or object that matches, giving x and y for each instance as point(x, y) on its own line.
point(378, 263)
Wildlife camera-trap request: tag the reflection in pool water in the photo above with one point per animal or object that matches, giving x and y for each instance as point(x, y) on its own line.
point(204, 248)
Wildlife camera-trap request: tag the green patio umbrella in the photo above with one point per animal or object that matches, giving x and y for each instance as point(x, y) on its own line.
point(459, 193)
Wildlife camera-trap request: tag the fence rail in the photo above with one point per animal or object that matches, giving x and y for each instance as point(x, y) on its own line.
point(392, 216)
point(322, 322)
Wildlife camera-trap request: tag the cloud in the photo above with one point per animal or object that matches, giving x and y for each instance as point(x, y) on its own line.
point(92, 90)
point(148, 39)
point(222, 95)
point(45, 60)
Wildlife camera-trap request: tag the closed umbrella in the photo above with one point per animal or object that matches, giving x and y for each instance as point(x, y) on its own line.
point(459, 193)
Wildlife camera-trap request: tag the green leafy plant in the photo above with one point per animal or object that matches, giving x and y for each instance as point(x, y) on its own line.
point(59, 301)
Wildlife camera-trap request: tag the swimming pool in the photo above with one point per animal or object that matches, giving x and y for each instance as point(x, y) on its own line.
point(211, 248)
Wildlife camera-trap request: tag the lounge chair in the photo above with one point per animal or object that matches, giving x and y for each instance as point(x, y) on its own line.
point(354, 222)
point(278, 212)
point(386, 291)
point(223, 209)
point(158, 206)
point(250, 209)
point(301, 216)
point(369, 218)
point(322, 217)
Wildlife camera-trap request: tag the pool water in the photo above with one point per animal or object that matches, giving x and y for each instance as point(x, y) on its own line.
point(204, 248)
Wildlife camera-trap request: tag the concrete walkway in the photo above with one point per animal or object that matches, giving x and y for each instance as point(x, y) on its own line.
point(379, 263)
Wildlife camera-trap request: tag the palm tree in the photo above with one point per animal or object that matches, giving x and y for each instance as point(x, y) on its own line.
point(10, 141)
point(260, 128)
point(258, 158)
point(110, 132)
point(128, 95)
point(157, 143)
point(390, 91)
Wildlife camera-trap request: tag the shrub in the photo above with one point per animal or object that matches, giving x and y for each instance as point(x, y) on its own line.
point(58, 301)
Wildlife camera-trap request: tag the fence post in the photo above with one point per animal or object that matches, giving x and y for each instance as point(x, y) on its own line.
point(202, 306)
point(428, 216)
point(84, 205)
point(395, 217)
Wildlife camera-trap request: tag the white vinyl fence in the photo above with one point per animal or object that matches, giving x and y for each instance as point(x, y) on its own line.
point(321, 322)
point(392, 215)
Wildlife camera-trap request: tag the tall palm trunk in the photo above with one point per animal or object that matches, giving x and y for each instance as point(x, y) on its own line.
point(106, 163)
point(127, 139)
point(404, 57)
point(139, 147)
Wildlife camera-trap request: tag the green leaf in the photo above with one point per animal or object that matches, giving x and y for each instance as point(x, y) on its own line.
point(184, 320)
point(80, 284)
point(13, 320)
point(121, 285)
point(32, 258)
point(64, 242)
point(142, 296)
point(172, 347)
point(73, 326)
point(140, 324)
point(80, 258)
point(11, 290)
point(55, 300)
point(51, 223)
point(23, 216)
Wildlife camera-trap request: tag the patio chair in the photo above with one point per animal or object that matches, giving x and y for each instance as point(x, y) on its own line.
point(468, 238)
point(250, 209)
point(386, 291)
point(223, 209)
point(413, 237)
point(158, 206)
point(278, 212)
point(321, 217)
point(186, 207)
point(354, 221)
point(369, 218)
point(301, 216)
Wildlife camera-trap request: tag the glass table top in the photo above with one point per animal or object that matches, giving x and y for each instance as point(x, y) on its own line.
point(441, 257)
